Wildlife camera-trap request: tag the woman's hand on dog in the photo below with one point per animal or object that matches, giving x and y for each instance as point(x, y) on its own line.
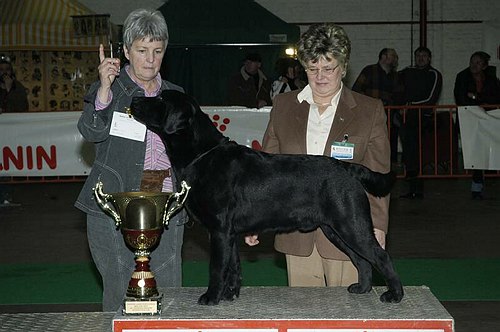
point(252, 240)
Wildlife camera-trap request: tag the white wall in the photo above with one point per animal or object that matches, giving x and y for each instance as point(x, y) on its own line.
point(451, 43)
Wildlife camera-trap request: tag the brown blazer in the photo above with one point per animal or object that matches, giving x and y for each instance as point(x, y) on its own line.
point(363, 119)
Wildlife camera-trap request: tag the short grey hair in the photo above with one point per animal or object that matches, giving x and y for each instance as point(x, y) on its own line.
point(144, 23)
point(324, 40)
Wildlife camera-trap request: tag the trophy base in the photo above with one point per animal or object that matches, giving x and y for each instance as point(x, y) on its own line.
point(146, 306)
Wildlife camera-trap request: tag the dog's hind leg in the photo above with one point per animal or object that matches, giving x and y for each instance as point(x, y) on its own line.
point(384, 265)
point(364, 284)
point(221, 249)
point(232, 284)
point(368, 248)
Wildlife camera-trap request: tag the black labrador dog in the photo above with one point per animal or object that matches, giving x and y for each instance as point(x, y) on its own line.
point(237, 190)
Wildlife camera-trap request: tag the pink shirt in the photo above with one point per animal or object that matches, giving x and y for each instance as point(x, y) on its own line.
point(156, 157)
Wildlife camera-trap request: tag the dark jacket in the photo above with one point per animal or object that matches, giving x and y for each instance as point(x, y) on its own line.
point(465, 83)
point(15, 100)
point(119, 162)
point(242, 90)
point(422, 86)
point(373, 81)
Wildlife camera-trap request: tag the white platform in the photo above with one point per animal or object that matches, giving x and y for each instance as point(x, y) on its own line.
point(283, 309)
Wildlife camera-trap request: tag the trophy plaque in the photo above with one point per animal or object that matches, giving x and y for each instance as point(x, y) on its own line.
point(141, 216)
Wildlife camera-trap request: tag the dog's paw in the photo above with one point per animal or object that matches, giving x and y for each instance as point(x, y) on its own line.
point(358, 288)
point(391, 297)
point(206, 299)
point(230, 293)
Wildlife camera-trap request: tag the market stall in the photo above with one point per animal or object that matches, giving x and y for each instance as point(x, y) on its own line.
point(54, 61)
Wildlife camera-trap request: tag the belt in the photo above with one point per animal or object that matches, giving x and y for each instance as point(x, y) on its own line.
point(152, 180)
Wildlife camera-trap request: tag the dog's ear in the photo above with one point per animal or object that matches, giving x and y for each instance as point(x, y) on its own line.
point(176, 120)
point(149, 110)
point(177, 108)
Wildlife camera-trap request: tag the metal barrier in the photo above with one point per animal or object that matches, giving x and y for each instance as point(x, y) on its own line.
point(438, 134)
point(440, 155)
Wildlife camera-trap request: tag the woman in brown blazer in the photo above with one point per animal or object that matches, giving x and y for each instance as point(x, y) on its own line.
point(319, 119)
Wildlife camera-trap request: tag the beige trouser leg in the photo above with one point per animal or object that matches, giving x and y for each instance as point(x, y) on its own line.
point(311, 271)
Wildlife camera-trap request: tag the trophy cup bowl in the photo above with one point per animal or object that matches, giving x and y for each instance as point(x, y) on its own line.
point(141, 217)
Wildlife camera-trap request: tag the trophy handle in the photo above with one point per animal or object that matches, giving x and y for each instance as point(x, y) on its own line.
point(180, 198)
point(103, 201)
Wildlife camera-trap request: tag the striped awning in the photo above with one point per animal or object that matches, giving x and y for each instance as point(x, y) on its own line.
point(44, 25)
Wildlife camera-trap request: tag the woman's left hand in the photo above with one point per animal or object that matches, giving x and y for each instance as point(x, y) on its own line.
point(252, 240)
point(380, 236)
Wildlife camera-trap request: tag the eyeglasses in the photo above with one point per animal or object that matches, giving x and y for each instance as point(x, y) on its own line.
point(327, 71)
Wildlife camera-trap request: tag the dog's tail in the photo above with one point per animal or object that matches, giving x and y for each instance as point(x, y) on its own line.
point(375, 183)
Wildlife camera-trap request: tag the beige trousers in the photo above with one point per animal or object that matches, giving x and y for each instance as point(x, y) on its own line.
point(316, 271)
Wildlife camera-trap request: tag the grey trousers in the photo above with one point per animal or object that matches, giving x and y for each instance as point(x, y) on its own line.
point(115, 261)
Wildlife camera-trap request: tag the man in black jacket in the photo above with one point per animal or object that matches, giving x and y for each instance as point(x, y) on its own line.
point(477, 85)
point(381, 80)
point(422, 86)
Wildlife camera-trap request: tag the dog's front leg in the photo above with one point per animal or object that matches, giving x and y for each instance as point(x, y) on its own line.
point(221, 248)
point(233, 275)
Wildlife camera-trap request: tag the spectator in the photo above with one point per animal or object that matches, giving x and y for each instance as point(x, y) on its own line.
point(288, 79)
point(300, 76)
point(128, 163)
point(314, 120)
point(6, 196)
point(249, 87)
point(13, 98)
point(422, 86)
point(477, 85)
point(380, 80)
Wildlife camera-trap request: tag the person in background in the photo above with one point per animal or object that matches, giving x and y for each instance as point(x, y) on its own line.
point(249, 87)
point(128, 163)
point(422, 86)
point(314, 121)
point(300, 76)
point(477, 85)
point(380, 80)
point(13, 98)
point(288, 79)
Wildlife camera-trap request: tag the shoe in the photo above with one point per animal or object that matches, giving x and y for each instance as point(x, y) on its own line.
point(477, 195)
point(412, 195)
point(7, 203)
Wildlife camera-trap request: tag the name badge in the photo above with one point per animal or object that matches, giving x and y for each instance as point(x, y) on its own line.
point(342, 150)
point(122, 125)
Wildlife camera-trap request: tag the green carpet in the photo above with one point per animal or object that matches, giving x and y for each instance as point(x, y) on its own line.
point(449, 280)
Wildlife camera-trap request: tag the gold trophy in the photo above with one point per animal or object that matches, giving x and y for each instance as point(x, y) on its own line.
point(141, 216)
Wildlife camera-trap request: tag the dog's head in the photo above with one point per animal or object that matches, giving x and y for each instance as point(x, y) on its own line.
point(168, 113)
point(178, 120)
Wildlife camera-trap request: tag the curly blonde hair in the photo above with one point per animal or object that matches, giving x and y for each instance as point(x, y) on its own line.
point(324, 40)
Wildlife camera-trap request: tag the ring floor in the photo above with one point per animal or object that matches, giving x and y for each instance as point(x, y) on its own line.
point(445, 224)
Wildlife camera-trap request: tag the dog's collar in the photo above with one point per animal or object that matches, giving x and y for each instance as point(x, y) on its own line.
point(222, 142)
